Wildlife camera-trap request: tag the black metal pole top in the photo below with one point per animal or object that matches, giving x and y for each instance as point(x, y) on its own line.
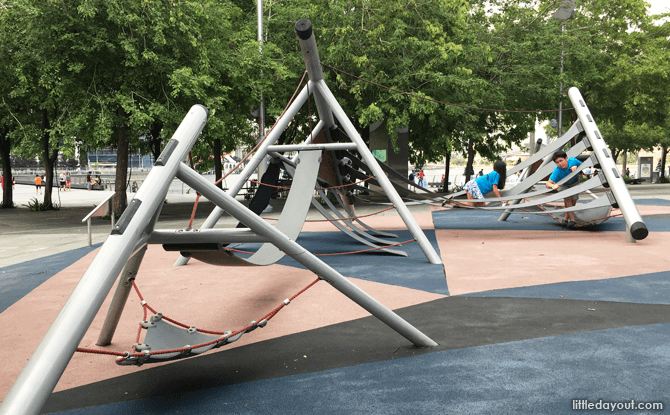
point(303, 28)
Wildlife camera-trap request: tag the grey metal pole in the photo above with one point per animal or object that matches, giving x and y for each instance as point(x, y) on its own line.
point(45, 367)
point(303, 28)
point(111, 209)
point(261, 116)
point(534, 148)
point(560, 102)
point(88, 227)
point(383, 181)
point(327, 105)
point(120, 298)
point(304, 257)
point(638, 229)
point(270, 139)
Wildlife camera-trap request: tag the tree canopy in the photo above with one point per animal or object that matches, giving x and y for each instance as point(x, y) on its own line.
point(90, 73)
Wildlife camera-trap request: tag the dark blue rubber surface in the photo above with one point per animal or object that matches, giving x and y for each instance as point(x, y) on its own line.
point(652, 202)
point(470, 219)
point(413, 271)
point(18, 280)
point(651, 288)
point(536, 376)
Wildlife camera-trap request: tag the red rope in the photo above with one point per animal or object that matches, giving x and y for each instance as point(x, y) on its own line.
point(195, 207)
point(367, 250)
point(351, 218)
point(336, 253)
point(145, 306)
point(430, 99)
point(317, 188)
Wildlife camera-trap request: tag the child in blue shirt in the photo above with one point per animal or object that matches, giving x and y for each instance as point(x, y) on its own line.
point(494, 181)
point(564, 166)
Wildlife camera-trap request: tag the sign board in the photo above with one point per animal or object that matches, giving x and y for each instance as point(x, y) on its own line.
point(644, 169)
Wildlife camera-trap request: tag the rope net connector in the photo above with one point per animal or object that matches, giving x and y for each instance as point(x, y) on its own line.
point(157, 337)
point(140, 347)
point(146, 324)
point(253, 327)
point(224, 340)
point(143, 303)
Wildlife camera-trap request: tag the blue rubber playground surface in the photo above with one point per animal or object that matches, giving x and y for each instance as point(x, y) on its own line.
point(528, 349)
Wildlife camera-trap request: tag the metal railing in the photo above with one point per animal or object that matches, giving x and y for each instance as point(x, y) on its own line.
point(88, 217)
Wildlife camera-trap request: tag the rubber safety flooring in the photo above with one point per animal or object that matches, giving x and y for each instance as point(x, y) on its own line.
point(528, 317)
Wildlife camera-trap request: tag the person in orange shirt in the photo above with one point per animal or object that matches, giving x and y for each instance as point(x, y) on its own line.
point(38, 184)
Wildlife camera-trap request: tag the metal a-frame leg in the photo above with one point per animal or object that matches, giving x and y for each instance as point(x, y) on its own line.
point(120, 298)
point(383, 181)
point(304, 257)
point(257, 159)
point(45, 367)
point(637, 229)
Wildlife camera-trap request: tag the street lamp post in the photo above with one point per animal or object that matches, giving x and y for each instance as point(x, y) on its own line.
point(565, 11)
point(261, 110)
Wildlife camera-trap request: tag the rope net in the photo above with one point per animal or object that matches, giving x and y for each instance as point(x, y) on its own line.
point(141, 357)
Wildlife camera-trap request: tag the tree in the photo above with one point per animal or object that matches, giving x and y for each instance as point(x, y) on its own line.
point(138, 67)
point(412, 47)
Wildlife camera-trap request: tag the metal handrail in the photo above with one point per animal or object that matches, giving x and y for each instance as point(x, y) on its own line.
point(87, 219)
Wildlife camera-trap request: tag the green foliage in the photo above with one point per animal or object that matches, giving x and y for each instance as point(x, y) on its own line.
point(76, 71)
point(108, 217)
point(36, 206)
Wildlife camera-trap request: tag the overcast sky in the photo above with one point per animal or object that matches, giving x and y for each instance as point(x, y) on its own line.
point(658, 6)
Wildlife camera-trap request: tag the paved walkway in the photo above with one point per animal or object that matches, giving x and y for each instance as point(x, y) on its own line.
point(528, 317)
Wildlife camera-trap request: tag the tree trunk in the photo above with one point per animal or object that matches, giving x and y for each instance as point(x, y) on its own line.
point(664, 152)
point(5, 146)
point(445, 188)
point(156, 139)
point(624, 162)
point(48, 159)
point(217, 162)
point(469, 170)
point(120, 199)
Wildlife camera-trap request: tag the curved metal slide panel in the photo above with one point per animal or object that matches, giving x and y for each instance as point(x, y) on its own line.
point(593, 216)
point(507, 196)
point(540, 173)
point(295, 210)
point(337, 213)
point(372, 230)
point(349, 233)
point(551, 148)
point(589, 184)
